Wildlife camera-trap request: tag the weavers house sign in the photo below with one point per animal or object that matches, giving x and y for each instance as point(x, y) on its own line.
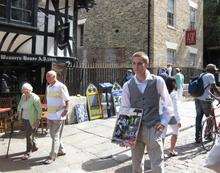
point(191, 37)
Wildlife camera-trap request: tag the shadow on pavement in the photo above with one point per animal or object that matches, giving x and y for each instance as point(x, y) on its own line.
point(14, 162)
point(128, 168)
point(21, 135)
point(102, 164)
point(189, 151)
point(11, 155)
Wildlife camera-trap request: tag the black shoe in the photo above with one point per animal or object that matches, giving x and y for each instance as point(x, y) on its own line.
point(34, 149)
point(61, 154)
point(198, 141)
point(209, 138)
point(48, 161)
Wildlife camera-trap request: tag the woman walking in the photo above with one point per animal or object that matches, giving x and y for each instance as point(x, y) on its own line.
point(29, 110)
point(174, 122)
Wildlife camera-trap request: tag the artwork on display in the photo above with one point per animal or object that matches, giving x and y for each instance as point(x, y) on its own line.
point(127, 126)
point(94, 103)
point(116, 95)
point(81, 113)
point(61, 70)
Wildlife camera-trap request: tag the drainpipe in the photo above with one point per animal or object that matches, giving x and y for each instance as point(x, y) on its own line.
point(148, 30)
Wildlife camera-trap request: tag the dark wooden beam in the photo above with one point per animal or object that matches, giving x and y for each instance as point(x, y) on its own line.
point(16, 28)
point(12, 42)
point(46, 27)
point(3, 40)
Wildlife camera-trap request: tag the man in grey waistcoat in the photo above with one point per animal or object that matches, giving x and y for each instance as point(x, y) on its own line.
point(144, 90)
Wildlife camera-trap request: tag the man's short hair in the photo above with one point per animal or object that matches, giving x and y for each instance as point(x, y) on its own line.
point(52, 72)
point(141, 55)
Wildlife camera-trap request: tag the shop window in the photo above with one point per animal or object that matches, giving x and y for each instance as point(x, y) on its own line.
point(171, 56)
point(192, 17)
point(19, 11)
point(170, 13)
point(192, 59)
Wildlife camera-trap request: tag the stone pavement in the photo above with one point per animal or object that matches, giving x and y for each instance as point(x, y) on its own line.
point(89, 149)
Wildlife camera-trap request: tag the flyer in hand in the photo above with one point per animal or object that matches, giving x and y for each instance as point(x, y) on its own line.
point(127, 127)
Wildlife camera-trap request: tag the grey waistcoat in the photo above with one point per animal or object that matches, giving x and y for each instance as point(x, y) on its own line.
point(148, 101)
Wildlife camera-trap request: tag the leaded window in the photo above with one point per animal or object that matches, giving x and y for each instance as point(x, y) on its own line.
point(192, 17)
point(170, 13)
point(2, 8)
point(17, 11)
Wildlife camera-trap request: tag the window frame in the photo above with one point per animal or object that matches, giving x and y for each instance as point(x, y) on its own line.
point(81, 35)
point(192, 15)
point(8, 14)
point(191, 62)
point(171, 14)
point(171, 60)
point(3, 5)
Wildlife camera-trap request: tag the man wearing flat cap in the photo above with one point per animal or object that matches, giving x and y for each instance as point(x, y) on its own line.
point(204, 103)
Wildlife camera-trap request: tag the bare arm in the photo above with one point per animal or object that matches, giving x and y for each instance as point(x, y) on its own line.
point(215, 89)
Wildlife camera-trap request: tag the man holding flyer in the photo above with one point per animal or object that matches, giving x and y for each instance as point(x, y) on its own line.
point(144, 91)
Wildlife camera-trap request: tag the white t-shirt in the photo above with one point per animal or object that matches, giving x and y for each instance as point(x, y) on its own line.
point(176, 104)
point(25, 114)
point(57, 94)
point(208, 79)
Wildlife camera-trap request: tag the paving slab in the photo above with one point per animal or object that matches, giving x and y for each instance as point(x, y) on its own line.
point(89, 149)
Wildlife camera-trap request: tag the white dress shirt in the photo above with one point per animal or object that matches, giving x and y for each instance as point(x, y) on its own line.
point(167, 110)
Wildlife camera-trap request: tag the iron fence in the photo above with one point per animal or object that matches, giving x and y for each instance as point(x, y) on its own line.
point(80, 76)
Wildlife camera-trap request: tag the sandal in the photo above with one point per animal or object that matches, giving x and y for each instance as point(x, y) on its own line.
point(25, 156)
point(172, 154)
point(48, 161)
point(61, 154)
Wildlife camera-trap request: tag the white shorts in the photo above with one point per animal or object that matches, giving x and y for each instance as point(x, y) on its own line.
point(174, 130)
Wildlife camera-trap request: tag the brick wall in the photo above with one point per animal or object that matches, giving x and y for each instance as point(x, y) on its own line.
point(176, 34)
point(123, 25)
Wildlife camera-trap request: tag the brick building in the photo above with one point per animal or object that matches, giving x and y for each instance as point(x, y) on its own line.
point(113, 30)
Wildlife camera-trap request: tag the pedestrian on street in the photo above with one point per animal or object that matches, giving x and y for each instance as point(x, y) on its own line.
point(144, 91)
point(57, 97)
point(128, 75)
point(179, 83)
point(169, 69)
point(29, 110)
point(163, 72)
point(174, 122)
point(204, 103)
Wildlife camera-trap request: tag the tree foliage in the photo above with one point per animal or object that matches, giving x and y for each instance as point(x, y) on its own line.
point(211, 22)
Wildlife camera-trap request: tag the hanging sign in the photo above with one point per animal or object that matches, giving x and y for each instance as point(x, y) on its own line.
point(191, 37)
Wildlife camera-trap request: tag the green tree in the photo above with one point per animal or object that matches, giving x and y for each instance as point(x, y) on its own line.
point(211, 23)
point(79, 4)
